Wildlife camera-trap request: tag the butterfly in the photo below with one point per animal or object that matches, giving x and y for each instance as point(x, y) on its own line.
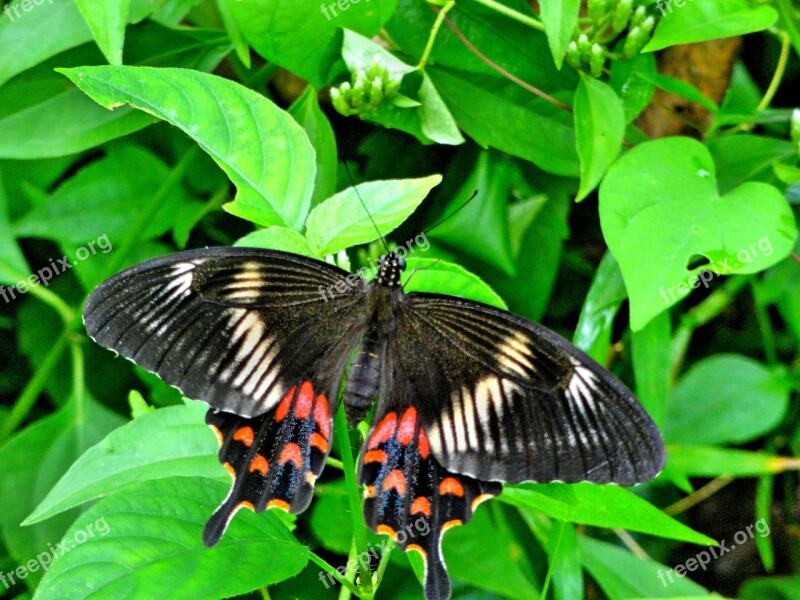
point(467, 395)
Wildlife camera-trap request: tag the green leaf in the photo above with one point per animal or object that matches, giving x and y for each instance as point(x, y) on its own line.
point(600, 506)
point(624, 576)
point(773, 588)
point(96, 202)
point(30, 464)
point(481, 228)
point(277, 238)
point(634, 91)
point(154, 532)
point(304, 36)
point(429, 120)
point(680, 88)
point(742, 158)
point(596, 322)
point(42, 117)
point(661, 214)
point(11, 259)
point(599, 130)
point(560, 18)
point(230, 122)
point(107, 20)
point(442, 277)
point(307, 112)
point(168, 442)
point(343, 220)
point(746, 401)
point(704, 20)
point(649, 347)
point(712, 461)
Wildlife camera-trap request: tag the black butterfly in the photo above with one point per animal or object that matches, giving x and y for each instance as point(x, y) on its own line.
point(467, 395)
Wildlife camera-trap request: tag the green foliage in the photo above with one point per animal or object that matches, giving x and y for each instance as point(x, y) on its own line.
point(132, 129)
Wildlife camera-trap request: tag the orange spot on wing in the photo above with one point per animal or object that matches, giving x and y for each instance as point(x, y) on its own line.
point(424, 445)
point(285, 405)
point(282, 504)
point(408, 424)
point(384, 431)
point(322, 415)
point(449, 524)
point(229, 468)
point(259, 463)
point(244, 435)
point(291, 453)
point(305, 400)
point(319, 442)
point(385, 529)
point(395, 480)
point(378, 456)
point(245, 504)
point(369, 491)
point(421, 505)
point(417, 548)
point(451, 485)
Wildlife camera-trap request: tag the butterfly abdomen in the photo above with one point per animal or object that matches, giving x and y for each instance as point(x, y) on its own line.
point(363, 380)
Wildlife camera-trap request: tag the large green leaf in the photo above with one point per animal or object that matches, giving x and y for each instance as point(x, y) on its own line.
point(263, 150)
point(702, 20)
point(30, 464)
point(153, 531)
point(661, 215)
point(746, 401)
point(304, 36)
point(601, 506)
point(599, 130)
point(307, 112)
point(168, 442)
point(624, 576)
point(107, 20)
point(442, 277)
point(351, 216)
point(713, 461)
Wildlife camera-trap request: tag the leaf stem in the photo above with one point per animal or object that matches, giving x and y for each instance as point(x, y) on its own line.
point(512, 14)
point(46, 295)
point(780, 70)
point(353, 495)
point(432, 37)
point(327, 568)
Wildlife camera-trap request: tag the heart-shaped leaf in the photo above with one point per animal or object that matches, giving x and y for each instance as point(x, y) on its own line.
point(671, 231)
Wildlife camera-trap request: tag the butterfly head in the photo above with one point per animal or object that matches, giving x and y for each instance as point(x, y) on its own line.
point(391, 267)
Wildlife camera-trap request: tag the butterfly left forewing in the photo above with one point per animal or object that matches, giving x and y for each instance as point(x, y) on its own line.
point(505, 399)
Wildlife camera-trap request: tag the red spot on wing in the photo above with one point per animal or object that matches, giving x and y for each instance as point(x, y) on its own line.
point(319, 442)
point(244, 435)
point(291, 453)
point(408, 424)
point(395, 480)
point(378, 456)
point(384, 431)
point(322, 415)
point(305, 400)
point(285, 405)
point(424, 445)
point(260, 464)
point(451, 485)
point(421, 505)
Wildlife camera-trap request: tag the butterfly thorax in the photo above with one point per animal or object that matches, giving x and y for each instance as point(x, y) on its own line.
point(384, 299)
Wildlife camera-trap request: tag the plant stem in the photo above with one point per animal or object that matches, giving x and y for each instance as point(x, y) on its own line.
point(780, 70)
point(31, 392)
point(764, 325)
point(78, 390)
point(44, 294)
point(432, 37)
point(512, 14)
point(353, 495)
point(328, 568)
point(788, 21)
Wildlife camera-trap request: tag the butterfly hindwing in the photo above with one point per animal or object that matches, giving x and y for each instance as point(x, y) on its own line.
point(231, 326)
point(411, 497)
point(504, 399)
point(274, 458)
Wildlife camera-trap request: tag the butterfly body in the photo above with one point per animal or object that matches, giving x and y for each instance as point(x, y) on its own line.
point(466, 395)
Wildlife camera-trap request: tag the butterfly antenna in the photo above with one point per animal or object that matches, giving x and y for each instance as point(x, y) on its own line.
point(452, 214)
point(364, 204)
point(414, 271)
